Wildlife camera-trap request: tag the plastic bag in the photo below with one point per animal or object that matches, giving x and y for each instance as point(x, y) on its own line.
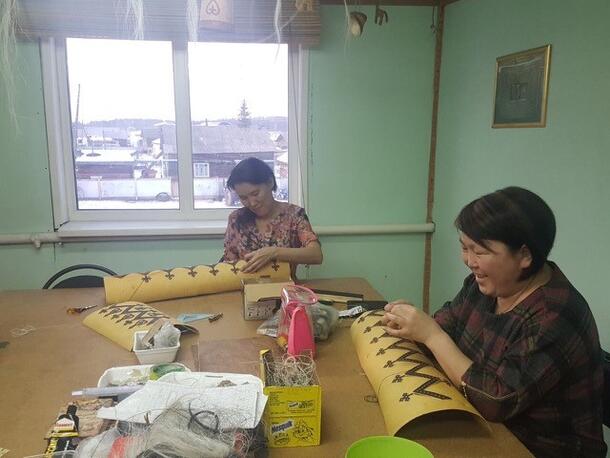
point(324, 319)
point(168, 336)
point(293, 297)
point(100, 445)
point(269, 327)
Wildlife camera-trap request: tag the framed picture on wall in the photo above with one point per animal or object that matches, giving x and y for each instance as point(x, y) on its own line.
point(522, 81)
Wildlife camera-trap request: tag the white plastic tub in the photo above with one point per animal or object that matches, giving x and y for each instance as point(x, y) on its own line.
point(153, 355)
point(114, 376)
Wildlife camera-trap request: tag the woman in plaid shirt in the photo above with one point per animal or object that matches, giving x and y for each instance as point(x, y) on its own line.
point(518, 338)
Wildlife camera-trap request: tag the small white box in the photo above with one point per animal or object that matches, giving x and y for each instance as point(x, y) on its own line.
point(153, 355)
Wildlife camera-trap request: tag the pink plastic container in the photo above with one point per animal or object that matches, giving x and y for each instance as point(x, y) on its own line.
point(295, 329)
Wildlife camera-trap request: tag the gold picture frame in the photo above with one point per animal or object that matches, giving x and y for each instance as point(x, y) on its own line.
point(522, 82)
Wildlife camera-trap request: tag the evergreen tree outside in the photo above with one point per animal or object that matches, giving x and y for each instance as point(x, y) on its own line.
point(244, 115)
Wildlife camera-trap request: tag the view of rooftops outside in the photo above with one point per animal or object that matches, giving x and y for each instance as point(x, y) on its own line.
point(123, 120)
point(239, 107)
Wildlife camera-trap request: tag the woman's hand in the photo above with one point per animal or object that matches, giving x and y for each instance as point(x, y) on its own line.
point(259, 259)
point(408, 322)
point(404, 320)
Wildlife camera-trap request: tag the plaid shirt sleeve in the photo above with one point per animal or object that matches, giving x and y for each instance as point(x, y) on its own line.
point(529, 369)
point(448, 315)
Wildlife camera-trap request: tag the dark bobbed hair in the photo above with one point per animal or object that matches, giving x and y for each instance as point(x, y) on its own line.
point(514, 216)
point(253, 171)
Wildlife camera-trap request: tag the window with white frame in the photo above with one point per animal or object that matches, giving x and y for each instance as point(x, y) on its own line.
point(150, 130)
point(201, 169)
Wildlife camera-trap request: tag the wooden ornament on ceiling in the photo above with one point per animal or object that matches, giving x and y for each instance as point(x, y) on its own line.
point(216, 15)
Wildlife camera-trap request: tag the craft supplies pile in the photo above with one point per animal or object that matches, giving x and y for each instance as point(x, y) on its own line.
point(162, 407)
point(183, 398)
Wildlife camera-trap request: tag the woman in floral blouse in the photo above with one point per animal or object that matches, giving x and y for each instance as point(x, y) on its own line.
point(266, 230)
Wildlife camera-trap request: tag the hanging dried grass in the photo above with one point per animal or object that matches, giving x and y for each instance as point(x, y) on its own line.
point(276, 20)
point(192, 19)
point(134, 16)
point(8, 50)
point(348, 35)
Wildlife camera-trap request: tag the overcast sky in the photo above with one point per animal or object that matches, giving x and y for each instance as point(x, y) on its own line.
point(133, 79)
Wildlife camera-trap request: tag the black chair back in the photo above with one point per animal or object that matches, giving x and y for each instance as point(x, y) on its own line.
point(78, 281)
point(606, 388)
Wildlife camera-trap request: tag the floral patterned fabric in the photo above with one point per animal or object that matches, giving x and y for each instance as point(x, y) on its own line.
point(289, 229)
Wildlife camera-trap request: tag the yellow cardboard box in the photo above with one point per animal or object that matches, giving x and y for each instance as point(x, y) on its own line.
point(293, 414)
point(262, 298)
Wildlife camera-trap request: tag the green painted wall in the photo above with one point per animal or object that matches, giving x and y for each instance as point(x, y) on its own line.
point(370, 108)
point(25, 194)
point(567, 162)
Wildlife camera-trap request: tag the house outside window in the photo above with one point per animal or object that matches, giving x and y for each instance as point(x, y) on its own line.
point(150, 130)
point(201, 169)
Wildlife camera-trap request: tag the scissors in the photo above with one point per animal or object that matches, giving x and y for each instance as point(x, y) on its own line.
point(75, 310)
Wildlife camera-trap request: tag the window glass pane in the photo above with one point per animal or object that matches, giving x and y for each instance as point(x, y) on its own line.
point(239, 109)
point(123, 118)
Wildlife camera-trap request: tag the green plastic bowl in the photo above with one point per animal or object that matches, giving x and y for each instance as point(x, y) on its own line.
point(387, 447)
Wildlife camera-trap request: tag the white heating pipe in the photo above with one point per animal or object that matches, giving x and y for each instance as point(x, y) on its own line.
point(376, 229)
point(37, 239)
